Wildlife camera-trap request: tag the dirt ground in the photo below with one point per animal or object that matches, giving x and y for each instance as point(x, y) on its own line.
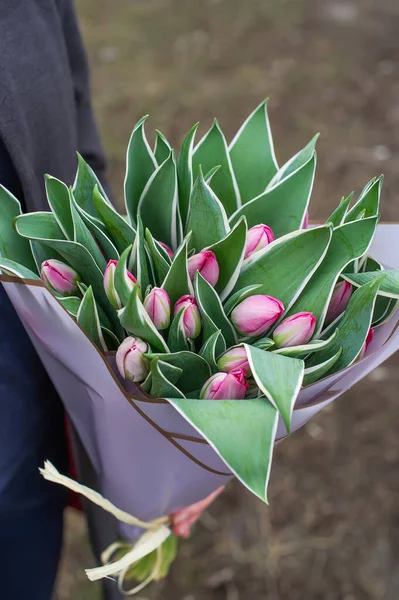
point(331, 531)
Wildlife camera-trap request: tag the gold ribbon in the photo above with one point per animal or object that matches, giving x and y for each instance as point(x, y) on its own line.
point(156, 532)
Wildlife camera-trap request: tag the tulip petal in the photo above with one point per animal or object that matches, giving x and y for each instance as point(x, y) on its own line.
point(305, 349)
point(135, 319)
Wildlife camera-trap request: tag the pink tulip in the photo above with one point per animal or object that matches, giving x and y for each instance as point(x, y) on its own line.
point(168, 251)
point(233, 359)
point(225, 386)
point(205, 262)
point(256, 314)
point(130, 359)
point(369, 339)
point(258, 237)
point(59, 277)
point(109, 283)
point(182, 520)
point(191, 316)
point(295, 330)
point(339, 300)
point(305, 222)
point(157, 304)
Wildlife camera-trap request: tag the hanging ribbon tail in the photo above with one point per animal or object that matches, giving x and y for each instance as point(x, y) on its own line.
point(152, 539)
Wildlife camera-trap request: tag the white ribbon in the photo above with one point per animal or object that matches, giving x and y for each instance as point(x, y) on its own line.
point(152, 539)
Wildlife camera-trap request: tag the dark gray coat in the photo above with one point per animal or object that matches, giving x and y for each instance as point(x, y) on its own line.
point(45, 107)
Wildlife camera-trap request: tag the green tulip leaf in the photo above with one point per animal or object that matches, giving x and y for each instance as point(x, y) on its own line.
point(337, 217)
point(285, 266)
point(135, 319)
point(118, 229)
point(143, 271)
point(140, 165)
point(208, 351)
point(207, 219)
point(278, 377)
point(12, 246)
point(85, 183)
point(177, 282)
point(389, 281)
point(296, 162)
point(121, 286)
point(210, 305)
point(84, 237)
point(158, 205)
point(88, 319)
point(185, 173)
point(242, 433)
point(353, 328)
point(159, 257)
point(319, 370)
point(10, 267)
point(283, 206)
point(212, 150)
point(229, 254)
point(177, 341)
point(97, 229)
point(194, 369)
point(59, 201)
point(70, 303)
point(252, 154)
point(162, 148)
point(163, 378)
point(368, 202)
point(264, 343)
point(349, 242)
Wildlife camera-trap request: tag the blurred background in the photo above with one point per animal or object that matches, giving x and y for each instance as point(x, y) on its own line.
point(331, 531)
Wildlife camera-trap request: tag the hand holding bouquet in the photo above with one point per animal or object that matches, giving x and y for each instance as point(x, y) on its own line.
point(222, 320)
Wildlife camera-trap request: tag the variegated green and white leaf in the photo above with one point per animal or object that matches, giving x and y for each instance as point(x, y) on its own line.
point(87, 317)
point(278, 377)
point(119, 230)
point(158, 205)
point(349, 242)
point(140, 165)
point(283, 206)
point(85, 182)
point(304, 349)
point(368, 203)
point(12, 246)
point(194, 369)
point(285, 266)
point(212, 151)
point(319, 370)
point(185, 173)
point(353, 328)
point(177, 282)
point(162, 148)
point(252, 154)
point(296, 162)
point(207, 219)
point(208, 350)
point(389, 281)
point(229, 254)
point(163, 377)
point(337, 217)
point(209, 303)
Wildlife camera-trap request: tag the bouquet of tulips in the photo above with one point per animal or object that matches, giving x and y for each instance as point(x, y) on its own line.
point(211, 287)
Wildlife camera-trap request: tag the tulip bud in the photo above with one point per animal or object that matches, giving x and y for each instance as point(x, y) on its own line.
point(295, 330)
point(233, 359)
point(205, 262)
point(340, 298)
point(369, 339)
point(157, 304)
point(191, 316)
point(225, 386)
point(109, 283)
point(258, 237)
point(59, 277)
point(256, 314)
point(130, 359)
point(168, 251)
